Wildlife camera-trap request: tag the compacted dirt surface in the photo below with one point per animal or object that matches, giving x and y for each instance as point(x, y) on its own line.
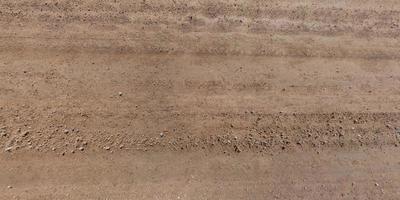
point(177, 99)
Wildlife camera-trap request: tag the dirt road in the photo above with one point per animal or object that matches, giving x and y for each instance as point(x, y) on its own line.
point(370, 174)
point(199, 99)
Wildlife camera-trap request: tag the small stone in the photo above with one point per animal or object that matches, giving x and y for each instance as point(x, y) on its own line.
point(66, 131)
point(376, 184)
point(237, 149)
point(161, 134)
point(81, 148)
point(63, 153)
point(119, 93)
point(9, 187)
point(25, 133)
point(72, 151)
point(107, 148)
point(53, 149)
point(121, 146)
point(8, 149)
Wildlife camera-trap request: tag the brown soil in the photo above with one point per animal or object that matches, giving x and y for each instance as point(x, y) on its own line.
point(199, 99)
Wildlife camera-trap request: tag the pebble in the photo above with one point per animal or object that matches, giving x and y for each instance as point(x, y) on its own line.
point(9, 187)
point(376, 184)
point(66, 131)
point(81, 148)
point(120, 93)
point(25, 133)
point(8, 149)
point(107, 148)
point(161, 134)
point(237, 149)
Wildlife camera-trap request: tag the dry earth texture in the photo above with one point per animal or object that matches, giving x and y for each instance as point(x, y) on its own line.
point(181, 99)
